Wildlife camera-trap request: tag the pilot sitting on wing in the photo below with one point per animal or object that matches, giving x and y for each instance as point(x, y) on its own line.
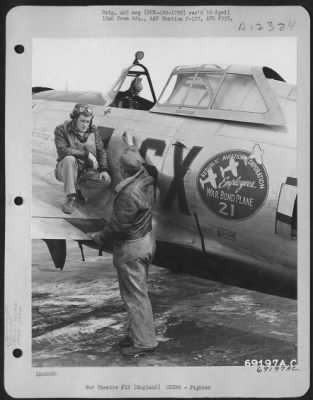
point(79, 149)
point(129, 99)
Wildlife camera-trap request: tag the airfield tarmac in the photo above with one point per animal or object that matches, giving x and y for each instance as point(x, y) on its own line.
point(78, 317)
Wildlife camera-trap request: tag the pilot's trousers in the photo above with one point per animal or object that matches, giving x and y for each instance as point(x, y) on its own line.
point(71, 174)
point(131, 259)
point(67, 172)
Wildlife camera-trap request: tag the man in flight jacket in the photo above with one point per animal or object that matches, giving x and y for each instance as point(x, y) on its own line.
point(130, 227)
point(79, 149)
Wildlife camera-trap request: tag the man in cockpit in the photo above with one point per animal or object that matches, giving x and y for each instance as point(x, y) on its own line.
point(129, 98)
point(80, 149)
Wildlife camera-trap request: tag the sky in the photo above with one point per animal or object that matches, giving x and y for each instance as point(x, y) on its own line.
point(95, 63)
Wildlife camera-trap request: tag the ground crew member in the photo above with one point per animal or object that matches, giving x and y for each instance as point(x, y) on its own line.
point(79, 149)
point(130, 227)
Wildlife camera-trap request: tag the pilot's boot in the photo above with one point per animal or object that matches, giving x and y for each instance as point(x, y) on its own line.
point(67, 207)
point(79, 197)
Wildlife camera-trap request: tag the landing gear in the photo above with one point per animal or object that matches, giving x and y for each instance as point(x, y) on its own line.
point(57, 249)
point(80, 245)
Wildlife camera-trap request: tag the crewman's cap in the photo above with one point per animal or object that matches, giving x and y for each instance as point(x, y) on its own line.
point(130, 161)
point(136, 84)
point(81, 109)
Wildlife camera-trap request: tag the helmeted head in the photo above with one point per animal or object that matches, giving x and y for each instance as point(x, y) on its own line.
point(136, 86)
point(82, 114)
point(130, 162)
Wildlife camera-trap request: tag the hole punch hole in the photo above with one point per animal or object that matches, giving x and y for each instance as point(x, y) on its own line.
point(19, 49)
point(18, 200)
point(17, 353)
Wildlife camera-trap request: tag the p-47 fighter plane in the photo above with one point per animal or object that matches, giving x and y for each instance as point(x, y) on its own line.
point(223, 140)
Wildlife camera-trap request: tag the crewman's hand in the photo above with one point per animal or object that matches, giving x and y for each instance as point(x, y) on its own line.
point(95, 236)
point(128, 138)
point(106, 177)
point(94, 161)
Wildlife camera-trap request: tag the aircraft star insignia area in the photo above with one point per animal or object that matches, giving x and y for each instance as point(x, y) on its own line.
point(165, 228)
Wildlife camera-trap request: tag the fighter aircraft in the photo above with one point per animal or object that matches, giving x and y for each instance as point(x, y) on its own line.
point(223, 140)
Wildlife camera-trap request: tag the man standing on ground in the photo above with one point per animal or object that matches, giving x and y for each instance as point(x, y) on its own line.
point(79, 149)
point(130, 227)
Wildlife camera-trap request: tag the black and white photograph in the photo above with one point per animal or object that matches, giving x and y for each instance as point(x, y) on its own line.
point(162, 202)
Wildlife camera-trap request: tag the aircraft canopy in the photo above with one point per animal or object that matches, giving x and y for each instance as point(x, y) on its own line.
point(236, 93)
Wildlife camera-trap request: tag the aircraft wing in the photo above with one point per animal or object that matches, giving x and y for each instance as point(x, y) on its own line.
point(56, 228)
point(48, 219)
point(89, 97)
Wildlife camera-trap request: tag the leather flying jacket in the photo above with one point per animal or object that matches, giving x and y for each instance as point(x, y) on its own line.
point(68, 143)
point(132, 210)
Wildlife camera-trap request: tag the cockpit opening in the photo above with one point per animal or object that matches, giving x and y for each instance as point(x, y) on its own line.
point(134, 93)
point(134, 89)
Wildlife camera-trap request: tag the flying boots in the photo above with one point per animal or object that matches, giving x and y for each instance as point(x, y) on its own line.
point(67, 207)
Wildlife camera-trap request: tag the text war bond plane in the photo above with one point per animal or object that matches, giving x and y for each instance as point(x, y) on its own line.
point(223, 141)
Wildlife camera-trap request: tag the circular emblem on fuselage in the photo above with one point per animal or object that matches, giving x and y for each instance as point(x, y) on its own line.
point(234, 184)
